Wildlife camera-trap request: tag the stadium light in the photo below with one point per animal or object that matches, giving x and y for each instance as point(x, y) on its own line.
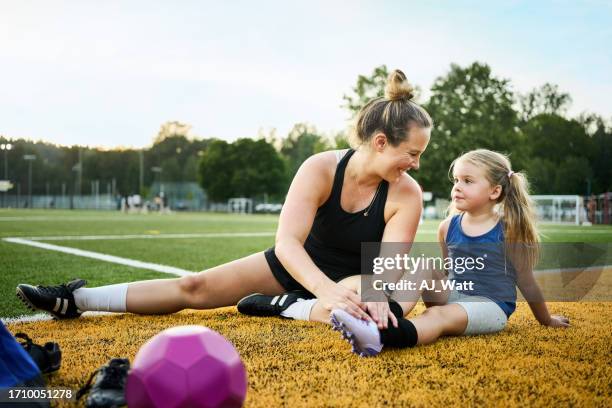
point(29, 158)
point(6, 147)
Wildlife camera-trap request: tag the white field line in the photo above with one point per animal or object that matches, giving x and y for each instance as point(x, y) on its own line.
point(102, 257)
point(42, 317)
point(147, 236)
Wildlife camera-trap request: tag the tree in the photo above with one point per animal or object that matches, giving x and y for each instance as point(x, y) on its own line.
point(471, 109)
point(341, 141)
point(172, 128)
point(370, 87)
point(557, 154)
point(258, 169)
point(367, 87)
point(245, 168)
point(545, 99)
point(600, 157)
point(216, 170)
point(556, 138)
point(571, 177)
point(302, 142)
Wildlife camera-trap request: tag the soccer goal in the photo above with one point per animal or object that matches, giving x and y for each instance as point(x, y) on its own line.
point(567, 209)
point(240, 205)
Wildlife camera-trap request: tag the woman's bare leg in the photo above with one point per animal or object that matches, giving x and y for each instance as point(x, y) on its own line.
point(223, 285)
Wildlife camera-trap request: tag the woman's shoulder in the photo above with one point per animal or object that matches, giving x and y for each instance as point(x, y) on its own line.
point(406, 188)
point(324, 162)
point(318, 171)
point(403, 197)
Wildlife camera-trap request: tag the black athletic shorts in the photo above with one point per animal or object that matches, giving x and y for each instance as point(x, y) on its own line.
point(287, 281)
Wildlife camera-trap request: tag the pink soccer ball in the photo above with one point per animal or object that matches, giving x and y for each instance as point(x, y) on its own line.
point(187, 366)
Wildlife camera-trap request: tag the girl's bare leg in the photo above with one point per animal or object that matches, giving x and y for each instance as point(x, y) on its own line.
point(437, 296)
point(437, 321)
point(223, 285)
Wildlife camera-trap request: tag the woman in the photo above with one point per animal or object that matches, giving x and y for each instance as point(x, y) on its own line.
point(336, 201)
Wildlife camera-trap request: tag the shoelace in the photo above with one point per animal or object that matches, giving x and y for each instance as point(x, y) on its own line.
point(115, 373)
point(59, 290)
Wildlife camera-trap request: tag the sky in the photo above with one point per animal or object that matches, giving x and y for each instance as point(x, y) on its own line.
point(110, 73)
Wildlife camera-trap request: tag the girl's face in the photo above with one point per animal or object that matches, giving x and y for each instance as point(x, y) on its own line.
point(471, 189)
point(406, 156)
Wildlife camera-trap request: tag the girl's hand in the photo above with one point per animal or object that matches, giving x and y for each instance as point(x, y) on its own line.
point(380, 313)
point(558, 321)
point(335, 296)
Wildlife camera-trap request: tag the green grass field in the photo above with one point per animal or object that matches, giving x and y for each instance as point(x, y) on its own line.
point(298, 363)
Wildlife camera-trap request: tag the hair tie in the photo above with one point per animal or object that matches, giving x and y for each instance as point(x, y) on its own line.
point(510, 173)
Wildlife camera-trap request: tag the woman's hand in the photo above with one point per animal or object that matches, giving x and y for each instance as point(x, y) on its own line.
point(558, 321)
point(335, 296)
point(381, 314)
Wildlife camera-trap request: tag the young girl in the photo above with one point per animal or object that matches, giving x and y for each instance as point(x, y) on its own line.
point(493, 218)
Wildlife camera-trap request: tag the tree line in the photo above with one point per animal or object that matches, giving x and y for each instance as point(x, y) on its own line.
point(470, 106)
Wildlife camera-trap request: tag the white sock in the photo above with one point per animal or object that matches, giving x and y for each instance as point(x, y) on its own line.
point(110, 298)
point(300, 310)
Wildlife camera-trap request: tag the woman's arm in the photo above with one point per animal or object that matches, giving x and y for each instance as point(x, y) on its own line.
point(310, 187)
point(405, 205)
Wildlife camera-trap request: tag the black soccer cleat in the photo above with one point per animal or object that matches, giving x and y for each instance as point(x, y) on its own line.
point(48, 358)
point(258, 304)
point(108, 390)
point(57, 300)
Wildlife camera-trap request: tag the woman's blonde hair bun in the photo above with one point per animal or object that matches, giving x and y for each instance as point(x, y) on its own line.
point(398, 88)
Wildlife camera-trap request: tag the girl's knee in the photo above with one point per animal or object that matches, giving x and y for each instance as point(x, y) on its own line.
point(450, 318)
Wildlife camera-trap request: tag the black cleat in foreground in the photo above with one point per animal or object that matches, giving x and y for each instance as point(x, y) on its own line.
point(108, 389)
point(56, 300)
point(48, 358)
point(258, 304)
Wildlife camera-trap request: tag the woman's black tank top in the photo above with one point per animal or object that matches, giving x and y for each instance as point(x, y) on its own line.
point(334, 242)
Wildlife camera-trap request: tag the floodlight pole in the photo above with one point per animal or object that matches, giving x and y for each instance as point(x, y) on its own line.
point(141, 167)
point(29, 158)
point(6, 147)
point(158, 170)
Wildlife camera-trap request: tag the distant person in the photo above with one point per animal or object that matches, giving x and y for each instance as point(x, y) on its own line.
point(164, 202)
point(592, 209)
point(483, 180)
point(337, 200)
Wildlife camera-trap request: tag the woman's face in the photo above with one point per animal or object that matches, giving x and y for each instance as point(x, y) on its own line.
point(405, 156)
